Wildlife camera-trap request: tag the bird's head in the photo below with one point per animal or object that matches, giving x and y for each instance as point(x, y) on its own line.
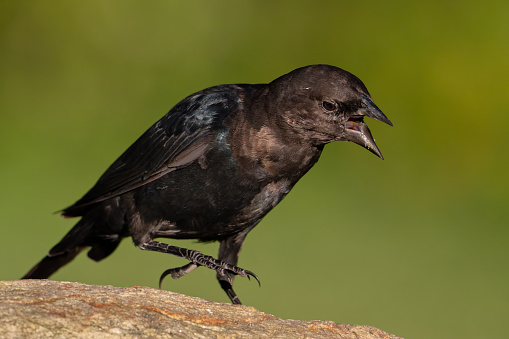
point(324, 103)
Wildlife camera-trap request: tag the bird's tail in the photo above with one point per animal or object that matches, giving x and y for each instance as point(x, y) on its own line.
point(80, 237)
point(63, 252)
point(50, 264)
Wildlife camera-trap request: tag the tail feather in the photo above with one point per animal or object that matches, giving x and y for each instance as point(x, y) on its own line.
point(50, 264)
point(63, 252)
point(77, 237)
point(80, 237)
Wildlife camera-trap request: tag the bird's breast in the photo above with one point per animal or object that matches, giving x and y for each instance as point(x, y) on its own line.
point(266, 155)
point(269, 196)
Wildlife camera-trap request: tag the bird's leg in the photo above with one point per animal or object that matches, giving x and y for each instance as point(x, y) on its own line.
point(197, 259)
point(229, 251)
point(226, 282)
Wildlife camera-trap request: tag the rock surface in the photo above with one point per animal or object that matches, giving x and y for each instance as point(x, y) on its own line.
point(54, 309)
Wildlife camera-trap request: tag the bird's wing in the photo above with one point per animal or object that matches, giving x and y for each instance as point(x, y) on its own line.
point(178, 139)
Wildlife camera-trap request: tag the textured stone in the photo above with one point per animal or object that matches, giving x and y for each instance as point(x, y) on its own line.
point(53, 309)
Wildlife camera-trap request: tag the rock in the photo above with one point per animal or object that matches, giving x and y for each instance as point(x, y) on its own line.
point(55, 309)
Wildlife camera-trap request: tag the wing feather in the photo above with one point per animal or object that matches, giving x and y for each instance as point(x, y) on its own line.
point(184, 134)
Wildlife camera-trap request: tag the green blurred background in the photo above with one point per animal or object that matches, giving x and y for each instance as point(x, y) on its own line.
point(416, 245)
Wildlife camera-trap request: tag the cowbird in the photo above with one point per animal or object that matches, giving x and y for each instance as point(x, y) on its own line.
point(214, 166)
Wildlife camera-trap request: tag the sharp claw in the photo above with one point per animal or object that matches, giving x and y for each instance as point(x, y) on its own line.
point(177, 272)
point(165, 273)
point(249, 273)
point(236, 301)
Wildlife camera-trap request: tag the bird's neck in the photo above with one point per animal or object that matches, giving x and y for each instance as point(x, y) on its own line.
point(263, 146)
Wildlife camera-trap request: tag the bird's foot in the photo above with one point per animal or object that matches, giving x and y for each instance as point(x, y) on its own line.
point(177, 272)
point(196, 259)
point(221, 267)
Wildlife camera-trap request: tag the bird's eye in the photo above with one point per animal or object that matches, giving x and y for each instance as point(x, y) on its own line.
point(329, 106)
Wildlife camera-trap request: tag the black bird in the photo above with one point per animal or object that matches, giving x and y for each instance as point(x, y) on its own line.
point(214, 166)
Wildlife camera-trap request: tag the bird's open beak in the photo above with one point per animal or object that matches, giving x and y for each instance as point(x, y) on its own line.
point(357, 131)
